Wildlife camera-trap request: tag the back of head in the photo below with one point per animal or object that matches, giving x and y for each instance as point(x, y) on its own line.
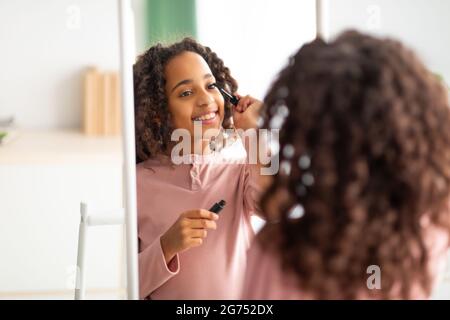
point(367, 144)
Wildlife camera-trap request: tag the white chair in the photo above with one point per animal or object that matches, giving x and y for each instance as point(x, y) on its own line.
point(88, 219)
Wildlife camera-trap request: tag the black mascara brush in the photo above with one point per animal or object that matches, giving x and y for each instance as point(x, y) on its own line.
point(232, 98)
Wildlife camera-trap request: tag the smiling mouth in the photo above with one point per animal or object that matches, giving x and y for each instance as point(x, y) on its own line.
point(206, 117)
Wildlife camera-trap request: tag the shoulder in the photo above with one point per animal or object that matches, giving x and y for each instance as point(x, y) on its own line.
point(154, 165)
point(143, 169)
point(150, 171)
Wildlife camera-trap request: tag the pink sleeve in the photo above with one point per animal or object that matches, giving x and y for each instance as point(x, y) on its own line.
point(252, 190)
point(250, 278)
point(153, 270)
point(265, 280)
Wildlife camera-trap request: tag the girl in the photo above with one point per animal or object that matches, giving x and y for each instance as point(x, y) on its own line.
point(185, 251)
point(362, 209)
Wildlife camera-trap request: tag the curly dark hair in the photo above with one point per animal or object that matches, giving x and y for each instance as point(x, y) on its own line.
point(369, 128)
point(152, 117)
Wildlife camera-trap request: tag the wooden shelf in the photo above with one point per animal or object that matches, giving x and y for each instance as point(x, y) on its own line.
point(60, 147)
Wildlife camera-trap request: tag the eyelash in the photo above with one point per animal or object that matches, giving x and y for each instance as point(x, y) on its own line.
point(210, 86)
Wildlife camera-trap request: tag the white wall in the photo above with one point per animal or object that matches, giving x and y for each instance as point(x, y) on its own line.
point(255, 37)
point(46, 43)
point(44, 46)
point(423, 25)
point(139, 12)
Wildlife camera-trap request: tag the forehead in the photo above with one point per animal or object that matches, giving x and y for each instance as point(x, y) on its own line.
point(186, 65)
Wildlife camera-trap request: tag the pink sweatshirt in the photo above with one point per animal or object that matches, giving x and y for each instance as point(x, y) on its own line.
point(265, 280)
point(214, 270)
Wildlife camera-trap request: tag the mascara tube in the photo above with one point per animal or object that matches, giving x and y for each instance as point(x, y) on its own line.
point(218, 206)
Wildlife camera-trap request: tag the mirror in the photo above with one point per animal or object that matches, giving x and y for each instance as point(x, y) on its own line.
point(67, 136)
point(254, 47)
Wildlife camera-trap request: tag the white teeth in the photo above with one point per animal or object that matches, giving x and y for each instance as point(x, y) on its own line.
point(205, 117)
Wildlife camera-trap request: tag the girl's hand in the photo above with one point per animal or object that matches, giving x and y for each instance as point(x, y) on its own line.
point(187, 232)
point(246, 113)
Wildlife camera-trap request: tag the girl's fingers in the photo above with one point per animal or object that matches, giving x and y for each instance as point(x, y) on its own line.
point(195, 242)
point(202, 224)
point(198, 233)
point(201, 214)
point(241, 105)
point(246, 102)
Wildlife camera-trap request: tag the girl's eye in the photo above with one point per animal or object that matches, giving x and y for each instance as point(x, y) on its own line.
point(186, 93)
point(212, 86)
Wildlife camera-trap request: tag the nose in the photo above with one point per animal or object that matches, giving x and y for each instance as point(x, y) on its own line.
point(204, 99)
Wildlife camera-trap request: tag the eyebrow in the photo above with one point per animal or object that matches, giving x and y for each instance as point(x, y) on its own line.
point(187, 81)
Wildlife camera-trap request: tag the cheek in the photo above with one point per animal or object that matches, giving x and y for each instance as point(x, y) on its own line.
point(221, 104)
point(181, 115)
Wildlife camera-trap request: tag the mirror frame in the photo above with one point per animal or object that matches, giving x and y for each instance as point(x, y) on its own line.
point(127, 49)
